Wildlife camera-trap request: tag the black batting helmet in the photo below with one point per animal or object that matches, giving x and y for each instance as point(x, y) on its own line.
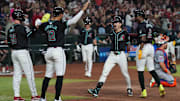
point(139, 12)
point(116, 19)
point(57, 11)
point(87, 20)
point(18, 15)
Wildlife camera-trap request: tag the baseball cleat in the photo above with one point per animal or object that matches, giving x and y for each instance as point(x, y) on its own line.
point(35, 98)
point(129, 92)
point(19, 99)
point(93, 92)
point(143, 94)
point(162, 90)
point(88, 74)
point(58, 100)
point(41, 99)
point(152, 84)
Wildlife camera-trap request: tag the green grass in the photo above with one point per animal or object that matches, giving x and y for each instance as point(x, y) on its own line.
point(6, 89)
point(176, 74)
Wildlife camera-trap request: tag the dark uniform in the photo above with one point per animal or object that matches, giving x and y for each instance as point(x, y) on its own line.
point(55, 32)
point(145, 53)
point(116, 56)
point(18, 41)
point(87, 36)
point(119, 40)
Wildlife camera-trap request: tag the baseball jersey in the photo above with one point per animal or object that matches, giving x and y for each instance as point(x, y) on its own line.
point(87, 36)
point(54, 31)
point(160, 56)
point(18, 36)
point(119, 40)
point(144, 30)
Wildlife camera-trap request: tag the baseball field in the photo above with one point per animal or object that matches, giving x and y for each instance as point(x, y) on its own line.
point(76, 84)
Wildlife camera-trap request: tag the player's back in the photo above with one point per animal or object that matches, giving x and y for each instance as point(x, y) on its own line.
point(55, 32)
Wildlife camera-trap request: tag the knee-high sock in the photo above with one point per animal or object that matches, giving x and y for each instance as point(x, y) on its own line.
point(141, 79)
point(155, 76)
point(44, 86)
point(99, 86)
point(58, 86)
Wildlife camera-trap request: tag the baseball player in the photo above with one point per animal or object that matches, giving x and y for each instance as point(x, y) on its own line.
point(171, 44)
point(145, 53)
point(87, 39)
point(18, 42)
point(162, 65)
point(120, 40)
point(55, 56)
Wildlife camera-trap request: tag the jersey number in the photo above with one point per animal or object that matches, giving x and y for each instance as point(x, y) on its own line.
point(13, 39)
point(51, 35)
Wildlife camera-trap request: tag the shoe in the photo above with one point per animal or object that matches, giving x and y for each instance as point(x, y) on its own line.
point(41, 99)
point(129, 92)
point(58, 100)
point(35, 98)
point(162, 90)
point(18, 99)
point(93, 92)
point(87, 74)
point(152, 83)
point(143, 94)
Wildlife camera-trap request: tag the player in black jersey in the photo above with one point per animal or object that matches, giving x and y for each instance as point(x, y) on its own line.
point(87, 40)
point(18, 42)
point(55, 56)
point(145, 53)
point(120, 40)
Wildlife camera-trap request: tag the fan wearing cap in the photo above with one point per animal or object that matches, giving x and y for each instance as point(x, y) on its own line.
point(87, 40)
point(162, 64)
point(145, 53)
point(18, 36)
point(120, 39)
point(55, 56)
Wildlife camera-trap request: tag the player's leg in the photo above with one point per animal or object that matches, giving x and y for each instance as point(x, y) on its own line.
point(140, 64)
point(26, 63)
point(150, 67)
point(84, 57)
point(166, 79)
point(172, 51)
point(109, 64)
point(48, 74)
point(17, 74)
point(60, 67)
point(124, 70)
point(89, 57)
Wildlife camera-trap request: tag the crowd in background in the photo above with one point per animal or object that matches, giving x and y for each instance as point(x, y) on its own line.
point(163, 14)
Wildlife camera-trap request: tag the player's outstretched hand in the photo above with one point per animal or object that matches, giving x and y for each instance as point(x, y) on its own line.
point(85, 6)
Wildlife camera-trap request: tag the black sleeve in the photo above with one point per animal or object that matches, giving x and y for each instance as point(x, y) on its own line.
point(127, 38)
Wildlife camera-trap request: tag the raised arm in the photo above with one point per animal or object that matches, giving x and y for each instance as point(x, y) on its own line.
point(76, 18)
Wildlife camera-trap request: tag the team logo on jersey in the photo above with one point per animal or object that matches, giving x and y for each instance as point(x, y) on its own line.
point(122, 38)
point(90, 35)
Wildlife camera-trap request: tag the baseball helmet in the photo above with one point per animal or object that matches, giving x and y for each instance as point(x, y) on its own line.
point(139, 12)
point(87, 20)
point(116, 19)
point(57, 11)
point(18, 15)
point(162, 40)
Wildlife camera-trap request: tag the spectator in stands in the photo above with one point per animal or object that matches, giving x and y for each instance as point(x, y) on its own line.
point(128, 22)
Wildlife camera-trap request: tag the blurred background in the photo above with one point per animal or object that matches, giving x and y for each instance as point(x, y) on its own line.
point(163, 15)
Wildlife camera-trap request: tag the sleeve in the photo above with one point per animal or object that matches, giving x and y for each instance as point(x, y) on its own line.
point(127, 38)
point(75, 19)
point(28, 31)
point(142, 31)
point(159, 56)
